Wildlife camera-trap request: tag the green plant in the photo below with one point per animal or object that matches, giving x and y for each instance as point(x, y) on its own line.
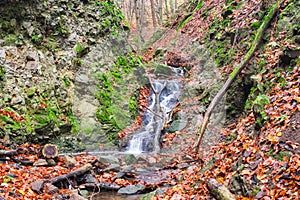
point(280, 155)
point(35, 38)
point(258, 110)
point(270, 152)
point(77, 61)
point(255, 192)
point(255, 25)
point(2, 73)
point(8, 179)
point(79, 48)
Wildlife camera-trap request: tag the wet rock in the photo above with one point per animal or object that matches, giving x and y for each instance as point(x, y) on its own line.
point(17, 100)
point(2, 56)
point(182, 165)
point(177, 125)
point(37, 186)
point(51, 162)
point(75, 196)
point(108, 160)
point(152, 160)
point(69, 161)
point(51, 189)
point(132, 189)
point(112, 167)
point(109, 186)
point(40, 162)
point(84, 193)
point(82, 78)
point(91, 179)
point(125, 172)
point(130, 159)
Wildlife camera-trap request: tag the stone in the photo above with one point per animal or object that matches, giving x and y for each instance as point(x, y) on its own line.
point(151, 160)
point(37, 186)
point(112, 167)
point(17, 100)
point(148, 196)
point(82, 78)
point(40, 162)
point(51, 188)
point(177, 125)
point(70, 161)
point(132, 189)
point(130, 159)
point(109, 186)
point(75, 196)
point(51, 162)
point(2, 56)
point(182, 165)
point(89, 178)
point(108, 160)
point(84, 193)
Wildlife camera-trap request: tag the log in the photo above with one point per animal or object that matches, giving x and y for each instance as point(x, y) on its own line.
point(50, 151)
point(78, 172)
point(234, 74)
point(219, 191)
point(8, 153)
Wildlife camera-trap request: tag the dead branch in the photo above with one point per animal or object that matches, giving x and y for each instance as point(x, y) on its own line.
point(8, 153)
point(78, 172)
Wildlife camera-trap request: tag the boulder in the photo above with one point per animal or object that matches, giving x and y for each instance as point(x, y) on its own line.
point(108, 160)
point(132, 189)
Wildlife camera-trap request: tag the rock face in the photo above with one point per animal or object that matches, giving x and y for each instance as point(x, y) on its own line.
point(50, 53)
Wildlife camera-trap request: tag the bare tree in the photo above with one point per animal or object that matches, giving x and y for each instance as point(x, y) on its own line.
point(167, 9)
point(153, 13)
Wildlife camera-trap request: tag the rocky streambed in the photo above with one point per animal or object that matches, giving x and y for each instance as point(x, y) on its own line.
point(94, 175)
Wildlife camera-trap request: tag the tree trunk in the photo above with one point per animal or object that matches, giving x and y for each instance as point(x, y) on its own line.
point(142, 19)
point(172, 7)
point(167, 9)
point(160, 11)
point(234, 74)
point(153, 14)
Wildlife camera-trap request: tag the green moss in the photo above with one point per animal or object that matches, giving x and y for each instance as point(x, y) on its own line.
point(10, 39)
point(182, 23)
point(2, 73)
point(110, 96)
point(255, 25)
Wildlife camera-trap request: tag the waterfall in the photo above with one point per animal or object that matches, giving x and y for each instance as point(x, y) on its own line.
point(164, 96)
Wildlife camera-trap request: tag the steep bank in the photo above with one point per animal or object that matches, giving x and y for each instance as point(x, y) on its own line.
point(51, 54)
point(261, 107)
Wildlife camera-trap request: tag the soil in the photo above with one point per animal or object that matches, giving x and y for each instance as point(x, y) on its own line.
point(293, 132)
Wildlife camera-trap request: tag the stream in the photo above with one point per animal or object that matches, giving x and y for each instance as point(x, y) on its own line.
point(145, 143)
point(164, 97)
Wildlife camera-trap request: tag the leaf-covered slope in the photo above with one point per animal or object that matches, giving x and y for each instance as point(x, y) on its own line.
point(255, 157)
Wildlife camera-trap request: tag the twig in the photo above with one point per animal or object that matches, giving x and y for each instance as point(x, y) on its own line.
point(154, 113)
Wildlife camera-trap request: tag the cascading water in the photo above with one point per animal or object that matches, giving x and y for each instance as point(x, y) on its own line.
point(163, 98)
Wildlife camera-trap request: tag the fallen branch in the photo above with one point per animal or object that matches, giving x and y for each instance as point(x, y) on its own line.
point(78, 172)
point(8, 153)
point(234, 74)
point(219, 191)
point(158, 128)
